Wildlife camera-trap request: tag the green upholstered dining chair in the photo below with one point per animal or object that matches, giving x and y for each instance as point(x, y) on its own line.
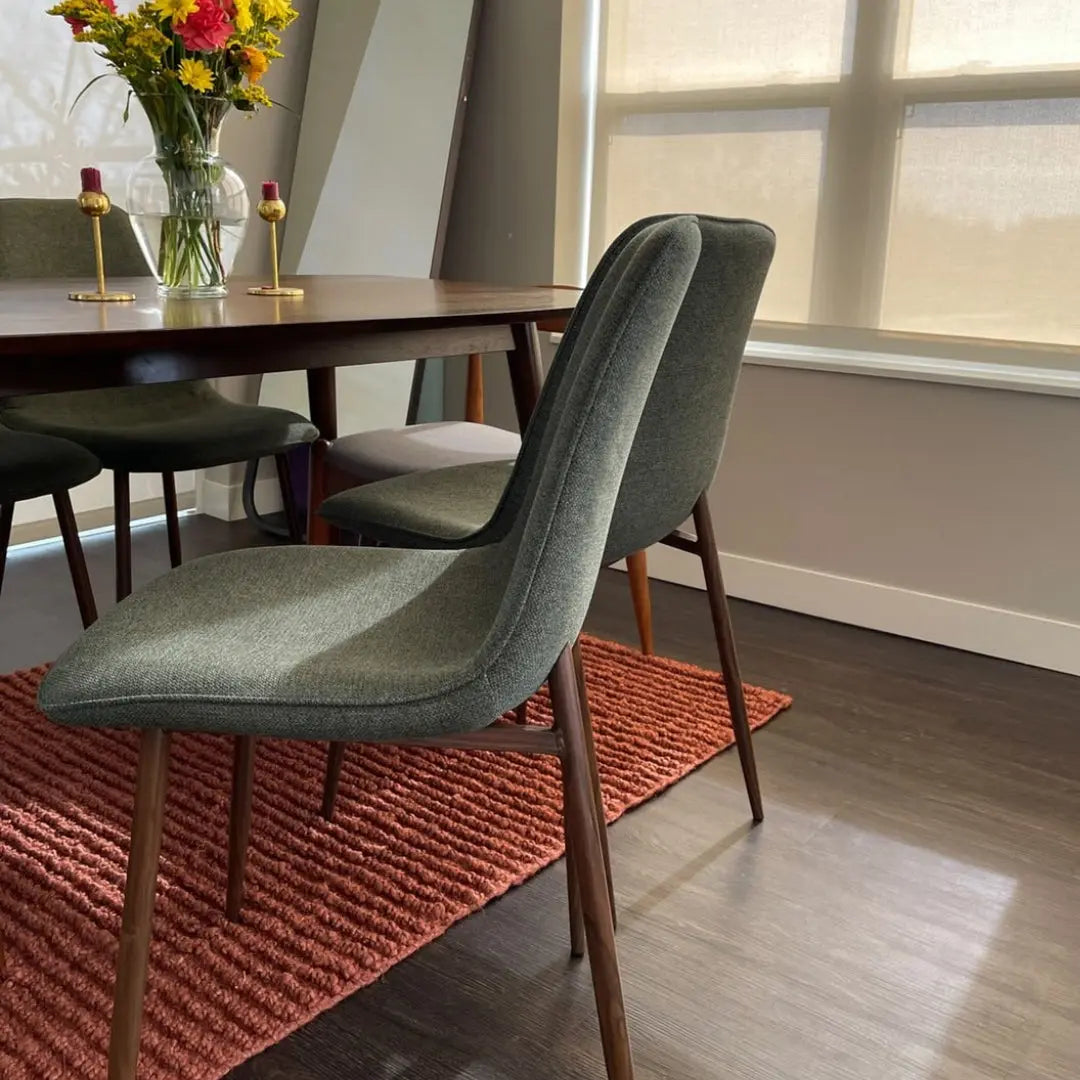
point(672, 464)
point(402, 646)
point(35, 465)
point(167, 428)
point(370, 456)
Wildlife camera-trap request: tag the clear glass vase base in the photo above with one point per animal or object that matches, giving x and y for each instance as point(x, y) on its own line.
point(183, 292)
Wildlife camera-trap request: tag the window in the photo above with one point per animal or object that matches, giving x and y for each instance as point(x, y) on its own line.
point(919, 159)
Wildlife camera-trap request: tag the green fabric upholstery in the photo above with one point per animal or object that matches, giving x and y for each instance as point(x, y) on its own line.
point(678, 443)
point(433, 508)
point(371, 643)
point(161, 428)
point(50, 238)
point(35, 465)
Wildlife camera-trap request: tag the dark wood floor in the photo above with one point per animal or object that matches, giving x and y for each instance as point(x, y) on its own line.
point(909, 910)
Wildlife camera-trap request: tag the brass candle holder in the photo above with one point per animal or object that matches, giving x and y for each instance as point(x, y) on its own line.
point(95, 204)
point(272, 210)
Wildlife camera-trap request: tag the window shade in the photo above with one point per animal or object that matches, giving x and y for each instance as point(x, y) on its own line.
point(919, 159)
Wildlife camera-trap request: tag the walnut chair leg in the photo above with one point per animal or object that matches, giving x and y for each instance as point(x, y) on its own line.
point(243, 785)
point(335, 758)
point(139, 894)
point(80, 578)
point(172, 518)
point(729, 660)
point(573, 894)
point(594, 777)
point(589, 859)
point(474, 390)
point(288, 499)
point(637, 569)
point(122, 511)
point(7, 516)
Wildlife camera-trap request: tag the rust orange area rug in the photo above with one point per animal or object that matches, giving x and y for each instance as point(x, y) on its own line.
point(421, 839)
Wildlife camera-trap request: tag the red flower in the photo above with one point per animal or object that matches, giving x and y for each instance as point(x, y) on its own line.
point(206, 29)
point(78, 25)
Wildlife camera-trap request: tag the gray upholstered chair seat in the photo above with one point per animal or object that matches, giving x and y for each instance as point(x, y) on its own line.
point(36, 465)
point(304, 642)
point(160, 428)
point(438, 508)
point(377, 455)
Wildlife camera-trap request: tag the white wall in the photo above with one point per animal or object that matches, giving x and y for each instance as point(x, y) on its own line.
point(42, 148)
point(947, 513)
point(369, 185)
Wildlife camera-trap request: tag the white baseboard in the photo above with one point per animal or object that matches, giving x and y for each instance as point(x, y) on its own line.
point(1008, 635)
point(226, 502)
point(46, 529)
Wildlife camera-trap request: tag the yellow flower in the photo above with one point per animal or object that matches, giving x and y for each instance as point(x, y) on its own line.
point(197, 75)
point(253, 63)
point(150, 41)
point(177, 10)
point(244, 20)
point(251, 96)
point(278, 12)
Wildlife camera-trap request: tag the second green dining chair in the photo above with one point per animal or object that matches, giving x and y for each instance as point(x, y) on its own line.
point(166, 428)
point(672, 464)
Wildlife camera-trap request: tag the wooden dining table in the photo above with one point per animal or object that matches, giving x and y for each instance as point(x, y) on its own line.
point(49, 343)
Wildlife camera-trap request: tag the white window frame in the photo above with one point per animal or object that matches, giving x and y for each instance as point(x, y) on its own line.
point(866, 116)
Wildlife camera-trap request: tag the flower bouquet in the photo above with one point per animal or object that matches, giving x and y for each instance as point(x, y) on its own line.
point(188, 62)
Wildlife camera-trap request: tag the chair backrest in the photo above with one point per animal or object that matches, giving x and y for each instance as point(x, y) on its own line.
point(50, 238)
point(681, 435)
point(682, 431)
point(555, 548)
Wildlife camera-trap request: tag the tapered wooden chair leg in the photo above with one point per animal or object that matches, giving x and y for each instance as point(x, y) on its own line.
point(7, 517)
point(139, 894)
point(521, 713)
point(335, 758)
point(80, 578)
point(729, 660)
point(122, 511)
point(637, 570)
point(589, 859)
point(172, 518)
point(243, 784)
point(288, 499)
point(573, 895)
point(594, 777)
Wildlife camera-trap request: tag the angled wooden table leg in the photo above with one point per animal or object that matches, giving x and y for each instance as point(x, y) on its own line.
point(322, 403)
point(526, 371)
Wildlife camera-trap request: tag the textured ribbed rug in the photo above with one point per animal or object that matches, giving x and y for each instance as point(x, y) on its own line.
point(421, 839)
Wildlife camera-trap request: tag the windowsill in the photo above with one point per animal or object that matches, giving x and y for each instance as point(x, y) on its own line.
point(1059, 381)
point(994, 376)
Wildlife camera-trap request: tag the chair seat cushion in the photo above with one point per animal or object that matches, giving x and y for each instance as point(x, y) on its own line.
point(440, 508)
point(296, 642)
point(34, 465)
point(377, 455)
point(166, 427)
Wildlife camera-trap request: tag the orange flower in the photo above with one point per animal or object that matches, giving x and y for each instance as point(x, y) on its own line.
point(253, 63)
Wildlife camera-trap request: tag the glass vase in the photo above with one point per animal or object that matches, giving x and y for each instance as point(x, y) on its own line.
point(188, 207)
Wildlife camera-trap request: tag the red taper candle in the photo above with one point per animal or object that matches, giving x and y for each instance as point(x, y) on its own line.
point(91, 180)
point(271, 191)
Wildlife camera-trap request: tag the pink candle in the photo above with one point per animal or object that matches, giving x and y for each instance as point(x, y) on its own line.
point(91, 180)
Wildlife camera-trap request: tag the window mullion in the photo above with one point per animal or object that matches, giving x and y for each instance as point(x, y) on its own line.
point(858, 175)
